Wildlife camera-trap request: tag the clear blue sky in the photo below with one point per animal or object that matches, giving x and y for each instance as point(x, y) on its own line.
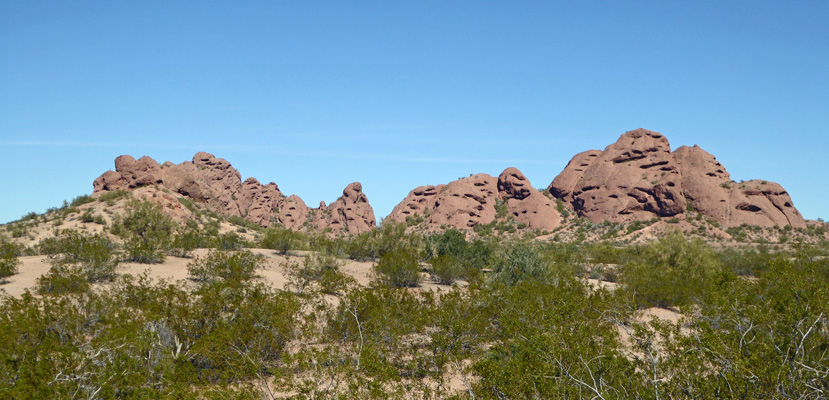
point(314, 95)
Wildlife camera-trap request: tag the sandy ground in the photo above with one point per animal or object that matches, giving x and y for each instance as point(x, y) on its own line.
point(175, 269)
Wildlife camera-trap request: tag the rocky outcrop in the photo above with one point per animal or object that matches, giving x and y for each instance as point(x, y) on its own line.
point(635, 178)
point(214, 184)
point(762, 203)
point(129, 174)
point(475, 200)
point(351, 212)
point(563, 185)
point(527, 205)
point(639, 178)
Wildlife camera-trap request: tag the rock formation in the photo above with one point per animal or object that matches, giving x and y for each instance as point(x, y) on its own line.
point(639, 178)
point(563, 185)
point(471, 201)
point(214, 184)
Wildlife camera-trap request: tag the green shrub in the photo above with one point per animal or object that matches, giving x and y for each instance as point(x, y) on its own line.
point(62, 279)
point(230, 266)
point(81, 200)
point(447, 243)
point(321, 271)
point(188, 238)
point(111, 196)
point(19, 230)
point(521, 261)
point(388, 237)
point(8, 260)
point(146, 230)
point(398, 268)
point(87, 216)
point(280, 239)
point(94, 255)
point(673, 271)
point(228, 241)
point(446, 269)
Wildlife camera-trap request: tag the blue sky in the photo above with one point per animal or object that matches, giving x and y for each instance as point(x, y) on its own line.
point(314, 95)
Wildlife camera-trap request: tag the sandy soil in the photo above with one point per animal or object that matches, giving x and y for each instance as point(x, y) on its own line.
point(175, 269)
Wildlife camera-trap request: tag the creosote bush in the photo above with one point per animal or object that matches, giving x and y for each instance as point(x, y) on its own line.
point(77, 259)
point(398, 268)
point(319, 271)
point(8, 260)
point(280, 239)
point(673, 271)
point(446, 269)
point(229, 266)
point(146, 230)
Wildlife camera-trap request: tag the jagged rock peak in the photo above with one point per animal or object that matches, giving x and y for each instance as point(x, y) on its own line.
point(216, 185)
point(639, 178)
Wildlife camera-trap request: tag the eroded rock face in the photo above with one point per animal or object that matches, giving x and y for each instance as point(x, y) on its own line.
point(762, 203)
point(527, 205)
point(705, 182)
point(129, 174)
point(351, 212)
point(563, 185)
point(635, 178)
point(638, 178)
point(216, 185)
point(471, 201)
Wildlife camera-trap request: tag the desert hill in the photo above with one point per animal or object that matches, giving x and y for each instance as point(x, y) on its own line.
point(214, 184)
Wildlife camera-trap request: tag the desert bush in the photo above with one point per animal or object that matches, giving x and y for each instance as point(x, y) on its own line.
point(321, 271)
point(146, 230)
point(187, 238)
point(8, 260)
point(95, 255)
point(446, 269)
point(450, 242)
point(228, 241)
point(280, 239)
point(388, 237)
point(673, 271)
point(111, 197)
point(231, 266)
point(87, 216)
point(62, 279)
point(549, 341)
point(520, 261)
point(81, 200)
point(398, 268)
point(321, 243)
